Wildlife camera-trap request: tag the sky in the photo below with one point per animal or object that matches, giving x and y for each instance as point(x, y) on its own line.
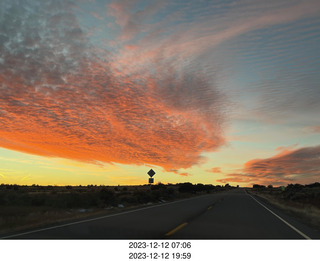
point(212, 92)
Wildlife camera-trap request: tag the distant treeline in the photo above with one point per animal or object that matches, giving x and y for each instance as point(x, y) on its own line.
point(289, 186)
point(93, 196)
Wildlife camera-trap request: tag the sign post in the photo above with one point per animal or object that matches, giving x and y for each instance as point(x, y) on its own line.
point(151, 174)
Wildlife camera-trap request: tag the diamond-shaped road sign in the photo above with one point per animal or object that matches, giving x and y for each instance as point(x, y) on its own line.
point(151, 173)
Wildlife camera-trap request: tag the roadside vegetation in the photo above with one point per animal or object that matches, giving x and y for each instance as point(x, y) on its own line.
point(25, 207)
point(302, 201)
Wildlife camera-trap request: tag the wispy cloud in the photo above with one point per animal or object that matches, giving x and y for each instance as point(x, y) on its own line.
point(313, 129)
point(184, 174)
point(289, 166)
point(175, 42)
point(26, 178)
point(131, 21)
point(191, 38)
point(214, 170)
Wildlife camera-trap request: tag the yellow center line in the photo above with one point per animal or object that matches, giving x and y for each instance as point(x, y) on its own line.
point(210, 207)
point(176, 229)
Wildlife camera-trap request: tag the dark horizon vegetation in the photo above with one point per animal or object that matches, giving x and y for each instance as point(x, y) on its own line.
point(26, 207)
point(31, 206)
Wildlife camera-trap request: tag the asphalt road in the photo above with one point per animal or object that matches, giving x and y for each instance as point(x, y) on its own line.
point(229, 215)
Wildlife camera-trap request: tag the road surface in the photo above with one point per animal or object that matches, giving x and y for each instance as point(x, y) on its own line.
point(234, 214)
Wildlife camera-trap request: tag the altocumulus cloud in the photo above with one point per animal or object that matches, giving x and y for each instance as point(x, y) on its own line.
point(60, 96)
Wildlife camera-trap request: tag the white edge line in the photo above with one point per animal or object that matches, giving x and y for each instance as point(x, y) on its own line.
point(287, 223)
point(97, 218)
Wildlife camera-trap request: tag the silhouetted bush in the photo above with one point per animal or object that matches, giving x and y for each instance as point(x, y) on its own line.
point(2, 198)
point(107, 196)
point(143, 196)
point(257, 186)
point(38, 201)
point(170, 192)
point(313, 185)
point(294, 187)
point(92, 196)
point(129, 199)
point(186, 188)
point(158, 186)
point(199, 187)
point(209, 188)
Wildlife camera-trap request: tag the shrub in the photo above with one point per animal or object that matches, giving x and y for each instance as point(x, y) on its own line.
point(107, 196)
point(186, 188)
point(142, 196)
point(257, 186)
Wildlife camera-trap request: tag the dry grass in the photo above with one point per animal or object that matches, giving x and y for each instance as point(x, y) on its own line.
point(22, 218)
point(307, 213)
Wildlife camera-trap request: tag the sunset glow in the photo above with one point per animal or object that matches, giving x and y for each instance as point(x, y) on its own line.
point(98, 92)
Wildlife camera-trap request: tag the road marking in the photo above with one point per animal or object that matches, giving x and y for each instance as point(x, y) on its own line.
point(209, 207)
point(176, 229)
point(97, 218)
point(287, 223)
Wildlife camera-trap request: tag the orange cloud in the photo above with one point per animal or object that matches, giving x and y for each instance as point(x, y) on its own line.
point(214, 170)
point(314, 129)
point(185, 174)
point(289, 166)
point(131, 47)
point(61, 97)
point(93, 118)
